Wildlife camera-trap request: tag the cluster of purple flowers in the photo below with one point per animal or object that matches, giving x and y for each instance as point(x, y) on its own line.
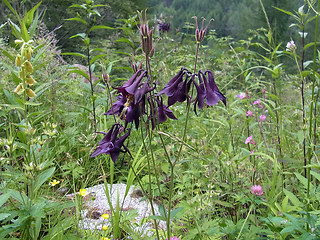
point(177, 89)
point(131, 103)
point(133, 98)
point(164, 27)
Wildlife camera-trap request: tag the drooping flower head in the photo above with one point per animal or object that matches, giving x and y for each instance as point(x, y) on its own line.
point(161, 112)
point(111, 143)
point(256, 190)
point(178, 87)
point(131, 101)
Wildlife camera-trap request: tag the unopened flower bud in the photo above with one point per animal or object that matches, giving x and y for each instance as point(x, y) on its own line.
point(28, 67)
point(30, 81)
point(105, 78)
point(30, 93)
point(18, 61)
point(28, 53)
point(19, 89)
point(152, 52)
point(17, 41)
point(21, 74)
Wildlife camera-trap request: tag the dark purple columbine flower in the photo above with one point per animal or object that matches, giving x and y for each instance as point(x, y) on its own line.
point(161, 112)
point(111, 143)
point(131, 103)
point(177, 88)
point(207, 89)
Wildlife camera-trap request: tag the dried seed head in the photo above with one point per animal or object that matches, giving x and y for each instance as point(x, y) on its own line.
point(30, 93)
point(200, 34)
point(28, 67)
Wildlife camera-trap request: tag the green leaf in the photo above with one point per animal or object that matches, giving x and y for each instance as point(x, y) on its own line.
point(310, 45)
point(4, 216)
point(28, 17)
point(100, 27)
point(11, 8)
point(81, 72)
point(125, 40)
point(16, 31)
point(302, 179)
point(175, 211)
point(124, 53)
point(77, 19)
point(32, 103)
point(4, 198)
point(12, 58)
point(19, 196)
point(223, 203)
point(44, 176)
point(24, 32)
point(313, 173)
point(99, 5)
point(75, 54)
point(295, 201)
point(82, 35)
point(34, 25)
point(284, 11)
point(95, 58)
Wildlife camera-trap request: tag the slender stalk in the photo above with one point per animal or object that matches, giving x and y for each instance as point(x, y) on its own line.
point(150, 189)
point(313, 107)
point(244, 223)
point(196, 60)
point(303, 113)
point(92, 90)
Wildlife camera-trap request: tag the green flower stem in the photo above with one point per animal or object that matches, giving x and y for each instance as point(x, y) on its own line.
point(150, 196)
point(313, 108)
point(244, 223)
point(92, 89)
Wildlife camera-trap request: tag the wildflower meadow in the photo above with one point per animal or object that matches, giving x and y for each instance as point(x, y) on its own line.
point(218, 134)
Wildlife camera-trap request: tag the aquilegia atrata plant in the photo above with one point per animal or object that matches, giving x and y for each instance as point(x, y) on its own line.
point(137, 101)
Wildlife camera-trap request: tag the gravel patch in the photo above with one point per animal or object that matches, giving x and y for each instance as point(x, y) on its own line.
point(95, 203)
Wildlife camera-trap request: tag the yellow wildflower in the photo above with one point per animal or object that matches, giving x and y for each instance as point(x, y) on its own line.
point(105, 216)
point(54, 182)
point(104, 238)
point(82, 192)
point(105, 227)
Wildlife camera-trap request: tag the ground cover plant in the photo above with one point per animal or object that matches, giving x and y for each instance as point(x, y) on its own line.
point(223, 134)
